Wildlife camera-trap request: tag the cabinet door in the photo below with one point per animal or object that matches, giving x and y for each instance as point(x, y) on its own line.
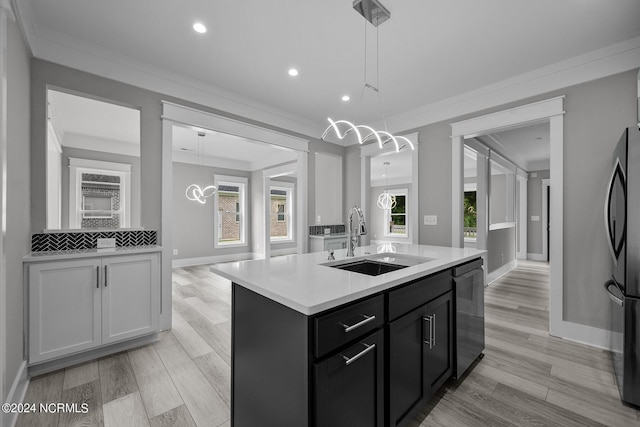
point(335, 244)
point(130, 296)
point(64, 308)
point(350, 386)
point(438, 354)
point(420, 357)
point(406, 365)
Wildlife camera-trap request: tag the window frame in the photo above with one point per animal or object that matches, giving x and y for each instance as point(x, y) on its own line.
point(387, 214)
point(288, 212)
point(241, 215)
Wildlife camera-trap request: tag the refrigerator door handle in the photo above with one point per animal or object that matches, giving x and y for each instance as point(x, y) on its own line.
point(611, 243)
point(614, 298)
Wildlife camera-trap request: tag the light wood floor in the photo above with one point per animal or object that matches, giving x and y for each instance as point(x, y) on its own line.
point(526, 377)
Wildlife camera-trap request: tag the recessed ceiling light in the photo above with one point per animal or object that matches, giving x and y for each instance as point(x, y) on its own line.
point(199, 28)
point(293, 72)
point(346, 98)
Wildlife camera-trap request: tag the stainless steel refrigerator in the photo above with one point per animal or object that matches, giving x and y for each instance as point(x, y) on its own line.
point(622, 222)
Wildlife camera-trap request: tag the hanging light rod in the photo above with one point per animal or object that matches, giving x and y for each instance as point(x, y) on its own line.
point(374, 12)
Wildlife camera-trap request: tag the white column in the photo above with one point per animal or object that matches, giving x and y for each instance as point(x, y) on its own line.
point(6, 14)
point(457, 191)
point(556, 294)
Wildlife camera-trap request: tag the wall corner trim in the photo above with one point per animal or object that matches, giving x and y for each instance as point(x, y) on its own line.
point(592, 336)
point(16, 394)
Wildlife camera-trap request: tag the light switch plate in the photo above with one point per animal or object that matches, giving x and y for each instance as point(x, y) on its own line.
point(431, 220)
point(106, 243)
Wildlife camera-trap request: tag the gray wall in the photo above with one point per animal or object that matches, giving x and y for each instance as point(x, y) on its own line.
point(435, 183)
point(45, 74)
point(105, 157)
point(316, 145)
point(192, 222)
point(501, 248)
point(534, 208)
point(596, 114)
point(17, 238)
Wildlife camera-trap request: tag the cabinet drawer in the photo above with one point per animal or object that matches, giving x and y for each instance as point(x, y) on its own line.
point(340, 327)
point(421, 291)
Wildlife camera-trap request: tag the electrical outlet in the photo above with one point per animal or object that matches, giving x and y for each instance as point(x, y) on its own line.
point(431, 220)
point(175, 252)
point(106, 243)
point(535, 218)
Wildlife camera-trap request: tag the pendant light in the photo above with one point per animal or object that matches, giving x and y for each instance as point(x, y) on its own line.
point(374, 12)
point(386, 201)
point(199, 192)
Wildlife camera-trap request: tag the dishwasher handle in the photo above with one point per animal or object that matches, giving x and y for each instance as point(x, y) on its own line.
point(607, 286)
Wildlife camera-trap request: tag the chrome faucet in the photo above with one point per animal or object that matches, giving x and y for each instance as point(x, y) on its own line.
point(355, 233)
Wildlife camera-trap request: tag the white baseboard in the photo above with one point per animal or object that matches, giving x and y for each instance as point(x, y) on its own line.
point(595, 337)
point(495, 274)
point(536, 257)
point(187, 262)
point(16, 394)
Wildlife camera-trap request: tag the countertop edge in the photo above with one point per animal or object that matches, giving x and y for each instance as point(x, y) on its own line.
point(310, 310)
point(88, 253)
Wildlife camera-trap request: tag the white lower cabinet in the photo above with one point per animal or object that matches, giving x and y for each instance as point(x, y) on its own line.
point(81, 304)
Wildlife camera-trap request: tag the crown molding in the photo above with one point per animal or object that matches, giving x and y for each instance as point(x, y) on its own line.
point(54, 47)
point(71, 52)
point(610, 60)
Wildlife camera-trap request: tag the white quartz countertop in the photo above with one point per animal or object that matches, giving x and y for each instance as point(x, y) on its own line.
point(300, 282)
point(329, 236)
point(89, 253)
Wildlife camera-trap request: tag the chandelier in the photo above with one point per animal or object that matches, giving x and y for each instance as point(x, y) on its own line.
point(374, 12)
point(386, 201)
point(199, 192)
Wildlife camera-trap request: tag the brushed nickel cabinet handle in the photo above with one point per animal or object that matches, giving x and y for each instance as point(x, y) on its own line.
point(433, 334)
point(429, 340)
point(366, 320)
point(106, 281)
point(97, 277)
point(348, 360)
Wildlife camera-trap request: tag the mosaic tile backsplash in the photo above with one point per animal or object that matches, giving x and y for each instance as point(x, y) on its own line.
point(316, 230)
point(47, 242)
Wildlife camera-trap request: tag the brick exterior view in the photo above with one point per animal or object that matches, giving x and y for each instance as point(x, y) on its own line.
point(227, 210)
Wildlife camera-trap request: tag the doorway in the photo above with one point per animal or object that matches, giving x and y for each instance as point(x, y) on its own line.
point(175, 115)
point(553, 111)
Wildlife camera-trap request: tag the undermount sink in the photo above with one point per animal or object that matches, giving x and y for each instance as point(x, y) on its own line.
point(372, 268)
point(375, 265)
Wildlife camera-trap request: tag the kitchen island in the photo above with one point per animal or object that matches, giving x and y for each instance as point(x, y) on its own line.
point(316, 345)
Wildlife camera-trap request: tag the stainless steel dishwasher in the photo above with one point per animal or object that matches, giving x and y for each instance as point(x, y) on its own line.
point(469, 323)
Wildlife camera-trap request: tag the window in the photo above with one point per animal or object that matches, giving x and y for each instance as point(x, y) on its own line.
point(281, 228)
point(396, 218)
point(230, 208)
point(470, 215)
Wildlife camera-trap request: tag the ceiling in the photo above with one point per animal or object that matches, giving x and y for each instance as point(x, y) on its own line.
point(528, 147)
point(397, 172)
point(91, 124)
point(428, 51)
point(218, 149)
